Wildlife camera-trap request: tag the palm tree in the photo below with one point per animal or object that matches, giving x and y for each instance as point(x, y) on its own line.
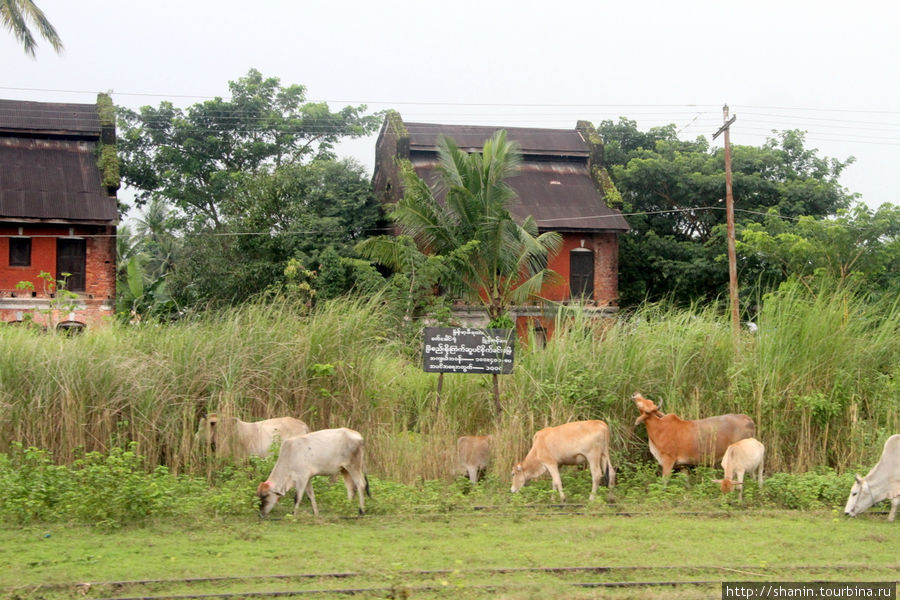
point(498, 263)
point(15, 16)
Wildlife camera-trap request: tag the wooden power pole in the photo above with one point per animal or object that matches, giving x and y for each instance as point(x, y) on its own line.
point(729, 215)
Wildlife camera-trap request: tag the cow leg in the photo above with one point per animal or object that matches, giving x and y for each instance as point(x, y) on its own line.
point(596, 474)
point(359, 482)
point(308, 488)
point(740, 486)
point(895, 502)
point(557, 482)
point(668, 464)
point(473, 474)
point(348, 483)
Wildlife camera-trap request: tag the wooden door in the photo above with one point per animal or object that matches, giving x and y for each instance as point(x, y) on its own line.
point(71, 256)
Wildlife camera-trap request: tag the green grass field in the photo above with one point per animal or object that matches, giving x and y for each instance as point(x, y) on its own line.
point(521, 552)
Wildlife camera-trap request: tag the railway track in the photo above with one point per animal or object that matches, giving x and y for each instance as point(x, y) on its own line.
point(404, 583)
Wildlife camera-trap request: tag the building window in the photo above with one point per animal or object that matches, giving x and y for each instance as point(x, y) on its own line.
point(581, 274)
point(71, 258)
point(19, 252)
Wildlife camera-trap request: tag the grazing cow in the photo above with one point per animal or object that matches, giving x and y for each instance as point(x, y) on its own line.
point(674, 441)
point(745, 456)
point(570, 444)
point(474, 451)
point(324, 452)
point(882, 482)
point(229, 436)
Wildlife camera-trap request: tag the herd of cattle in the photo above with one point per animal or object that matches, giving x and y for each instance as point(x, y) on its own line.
point(673, 441)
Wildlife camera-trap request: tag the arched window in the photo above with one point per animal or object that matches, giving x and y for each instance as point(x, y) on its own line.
point(581, 274)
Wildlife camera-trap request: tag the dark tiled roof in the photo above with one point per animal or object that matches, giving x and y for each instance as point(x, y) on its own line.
point(550, 142)
point(52, 179)
point(560, 197)
point(22, 116)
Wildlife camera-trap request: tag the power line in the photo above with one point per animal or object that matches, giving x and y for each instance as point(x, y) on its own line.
point(374, 230)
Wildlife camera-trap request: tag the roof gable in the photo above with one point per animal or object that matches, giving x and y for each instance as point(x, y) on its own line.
point(48, 164)
point(19, 116)
point(533, 141)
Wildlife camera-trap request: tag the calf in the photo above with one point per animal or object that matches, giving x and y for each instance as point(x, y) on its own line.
point(570, 444)
point(674, 441)
point(229, 436)
point(745, 456)
point(324, 452)
point(474, 452)
point(882, 482)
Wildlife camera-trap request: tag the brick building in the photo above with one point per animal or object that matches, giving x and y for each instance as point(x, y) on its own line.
point(58, 211)
point(562, 184)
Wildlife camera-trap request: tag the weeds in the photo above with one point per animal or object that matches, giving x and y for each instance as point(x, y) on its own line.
point(821, 379)
point(116, 489)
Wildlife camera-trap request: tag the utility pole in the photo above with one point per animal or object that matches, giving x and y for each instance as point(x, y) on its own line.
point(729, 216)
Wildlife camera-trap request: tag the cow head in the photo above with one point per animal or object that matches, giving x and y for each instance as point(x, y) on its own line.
point(518, 478)
point(646, 406)
point(206, 430)
point(726, 485)
point(268, 497)
point(860, 498)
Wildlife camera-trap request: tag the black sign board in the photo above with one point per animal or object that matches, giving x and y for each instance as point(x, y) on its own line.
point(461, 350)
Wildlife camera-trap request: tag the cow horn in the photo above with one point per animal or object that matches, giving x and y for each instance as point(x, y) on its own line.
point(859, 479)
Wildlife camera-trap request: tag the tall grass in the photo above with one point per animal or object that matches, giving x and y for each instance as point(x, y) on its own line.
point(821, 378)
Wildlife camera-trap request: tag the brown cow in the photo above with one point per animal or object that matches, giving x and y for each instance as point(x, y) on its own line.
point(674, 441)
point(474, 452)
point(570, 444)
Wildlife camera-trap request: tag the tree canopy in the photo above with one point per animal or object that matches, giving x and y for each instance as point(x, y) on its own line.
point(674, 190)
point(248, 184)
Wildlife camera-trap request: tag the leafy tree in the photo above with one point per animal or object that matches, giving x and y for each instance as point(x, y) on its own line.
point(858, 245)
point(235, 188)
point(677, 244)
point(498, 263)
point(15, 16)
point(292, 212)
point(196, 158)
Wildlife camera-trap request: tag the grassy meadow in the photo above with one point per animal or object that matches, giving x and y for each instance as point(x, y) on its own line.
point(103, 479)
point(821, 378)
point(522, 554)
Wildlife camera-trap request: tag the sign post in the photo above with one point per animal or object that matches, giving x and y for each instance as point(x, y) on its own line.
point(464, 350)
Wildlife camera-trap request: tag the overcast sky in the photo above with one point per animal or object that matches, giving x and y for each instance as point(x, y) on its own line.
point(830, 68)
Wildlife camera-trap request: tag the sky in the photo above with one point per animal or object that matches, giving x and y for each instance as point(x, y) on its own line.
point(828, 68)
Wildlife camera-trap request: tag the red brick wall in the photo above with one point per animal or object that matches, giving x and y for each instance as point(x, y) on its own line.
point(606, 267)
point(100, 278)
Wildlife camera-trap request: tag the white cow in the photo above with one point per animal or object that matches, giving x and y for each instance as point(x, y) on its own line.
point(474, 452)
point(229, 436)
point(744, 456)
point(882, 482)
point(573, 443)
point(324, 452)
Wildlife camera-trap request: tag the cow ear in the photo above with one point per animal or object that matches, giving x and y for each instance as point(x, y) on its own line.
point(719, 481)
